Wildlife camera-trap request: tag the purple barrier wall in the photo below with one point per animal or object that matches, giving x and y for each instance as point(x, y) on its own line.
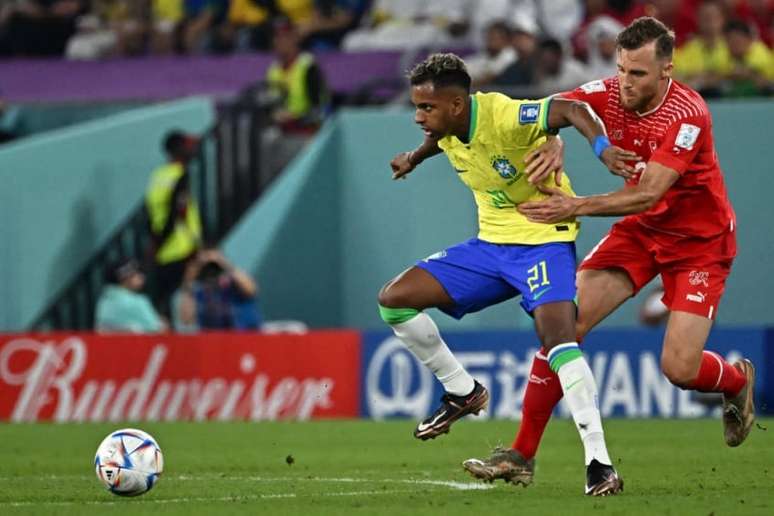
point(157, 78)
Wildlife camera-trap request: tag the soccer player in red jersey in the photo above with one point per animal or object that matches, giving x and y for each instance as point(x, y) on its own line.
point(679, 223)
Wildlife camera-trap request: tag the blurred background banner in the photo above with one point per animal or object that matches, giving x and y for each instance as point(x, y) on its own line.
point(326, 374)
point(217, 376)
point(625, 364)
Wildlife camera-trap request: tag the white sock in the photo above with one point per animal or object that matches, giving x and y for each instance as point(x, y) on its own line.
point(421, 337)
point(580, 394)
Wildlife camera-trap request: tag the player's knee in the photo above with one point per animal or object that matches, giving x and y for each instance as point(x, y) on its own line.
point(394, 307)
point(390, 297)
point(679, 373)
point(581, 330)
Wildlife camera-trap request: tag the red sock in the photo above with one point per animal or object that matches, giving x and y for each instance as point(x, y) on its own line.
point(717, 375)
point(541, 396)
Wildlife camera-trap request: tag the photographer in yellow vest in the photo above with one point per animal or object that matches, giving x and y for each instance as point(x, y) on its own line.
point(173, 216)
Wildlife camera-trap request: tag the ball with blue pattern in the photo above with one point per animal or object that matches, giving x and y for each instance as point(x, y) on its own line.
point(129, 462)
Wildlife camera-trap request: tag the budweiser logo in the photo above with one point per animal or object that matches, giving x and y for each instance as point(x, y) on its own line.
point(56, 380)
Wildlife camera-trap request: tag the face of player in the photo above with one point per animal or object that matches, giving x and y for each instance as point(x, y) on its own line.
point(641, 75)
point(438, 111)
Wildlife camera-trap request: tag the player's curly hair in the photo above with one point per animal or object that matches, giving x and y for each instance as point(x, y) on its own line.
point(442, 70)
point(642, 31)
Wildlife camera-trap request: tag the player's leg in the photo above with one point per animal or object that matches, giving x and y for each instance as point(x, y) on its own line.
point(602, 288)
point(546, 278)
point(555, 325)
point(693, 287)
point(599, 294)
point(451, 282)
point(687, 365)
point(401, 304)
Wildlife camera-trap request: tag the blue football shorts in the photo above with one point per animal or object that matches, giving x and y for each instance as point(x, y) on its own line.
point(477, 274)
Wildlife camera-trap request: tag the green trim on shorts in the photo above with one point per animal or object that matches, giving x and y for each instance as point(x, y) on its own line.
point(397, 315)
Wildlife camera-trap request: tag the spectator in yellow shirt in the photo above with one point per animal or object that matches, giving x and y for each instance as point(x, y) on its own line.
point(752, 63)
point(704, 60)
point(248, 25)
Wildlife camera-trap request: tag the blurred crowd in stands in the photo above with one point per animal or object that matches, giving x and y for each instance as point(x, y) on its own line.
point(724, 46)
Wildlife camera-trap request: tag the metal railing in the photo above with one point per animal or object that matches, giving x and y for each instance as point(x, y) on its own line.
point(226, 177)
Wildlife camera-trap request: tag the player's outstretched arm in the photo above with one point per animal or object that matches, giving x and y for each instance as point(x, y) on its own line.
point(405, 162)
point(656, 179)
point(566, 112)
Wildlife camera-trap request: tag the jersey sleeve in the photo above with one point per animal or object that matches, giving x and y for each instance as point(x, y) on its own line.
point(593, 93)
point(523, 121)
point(683, 140)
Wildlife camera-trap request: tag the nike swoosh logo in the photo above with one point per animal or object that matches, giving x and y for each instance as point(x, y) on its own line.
point(424, 426)
point(537, 296)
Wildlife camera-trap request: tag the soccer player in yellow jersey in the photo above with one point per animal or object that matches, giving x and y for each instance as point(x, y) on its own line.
point(488, 139)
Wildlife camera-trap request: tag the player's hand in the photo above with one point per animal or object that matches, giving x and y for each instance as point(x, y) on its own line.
point(616, 160)
point(545, 159)
point(557, 207)
point(401, 165)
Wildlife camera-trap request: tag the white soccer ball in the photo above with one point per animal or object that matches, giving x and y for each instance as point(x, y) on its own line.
point(128, 462)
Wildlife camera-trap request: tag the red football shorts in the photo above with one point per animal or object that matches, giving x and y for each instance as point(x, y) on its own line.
point(693, 270)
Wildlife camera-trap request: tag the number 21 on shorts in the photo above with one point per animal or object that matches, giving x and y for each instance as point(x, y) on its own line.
point(538, 276)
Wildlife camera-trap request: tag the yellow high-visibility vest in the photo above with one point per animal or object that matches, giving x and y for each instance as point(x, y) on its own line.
point(291, 83)
point(186, 236)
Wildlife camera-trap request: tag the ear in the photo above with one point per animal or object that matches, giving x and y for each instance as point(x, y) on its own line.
point(458, 105)
point(666, 71)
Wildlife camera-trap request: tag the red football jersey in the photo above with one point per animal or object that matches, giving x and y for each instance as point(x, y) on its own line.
point(678, 135)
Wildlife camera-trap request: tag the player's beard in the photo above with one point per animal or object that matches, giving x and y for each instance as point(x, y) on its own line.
point(634, 102)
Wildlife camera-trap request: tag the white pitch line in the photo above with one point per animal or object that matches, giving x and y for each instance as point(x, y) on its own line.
point(459, 486)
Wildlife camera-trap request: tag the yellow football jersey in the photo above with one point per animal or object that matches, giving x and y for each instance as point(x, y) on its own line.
point(491, 163)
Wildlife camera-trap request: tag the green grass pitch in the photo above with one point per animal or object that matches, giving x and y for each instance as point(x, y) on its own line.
point(362, 467)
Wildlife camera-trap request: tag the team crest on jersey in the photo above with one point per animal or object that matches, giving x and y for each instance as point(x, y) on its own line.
point(528, 113)
point(505, 169)
point(687, 136)
point(698, 278)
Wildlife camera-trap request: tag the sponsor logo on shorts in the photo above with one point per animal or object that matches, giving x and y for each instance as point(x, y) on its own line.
point(538, 295)
point(698, 297)
point(698, 278)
